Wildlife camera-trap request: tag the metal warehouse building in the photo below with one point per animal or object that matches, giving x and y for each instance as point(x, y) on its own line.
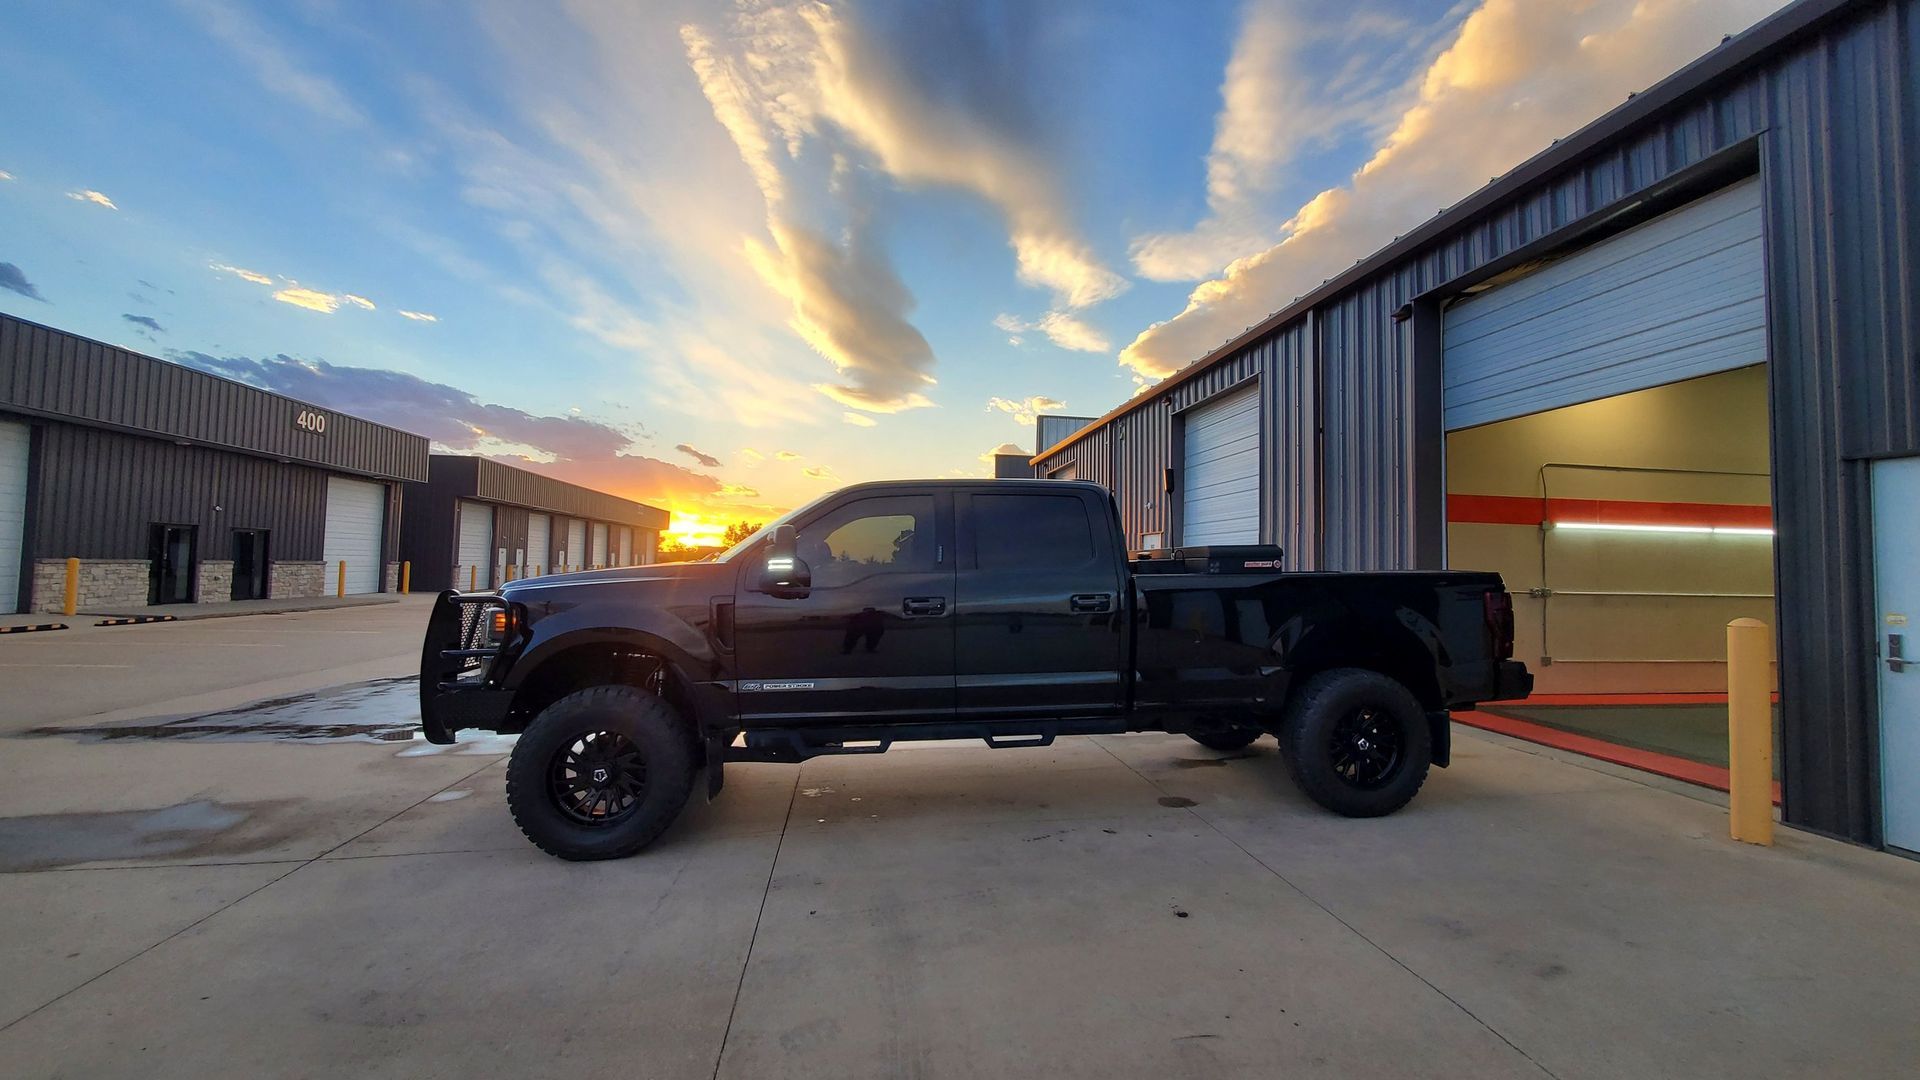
point(1663, 374)
point(475, 523)
point(175, 486)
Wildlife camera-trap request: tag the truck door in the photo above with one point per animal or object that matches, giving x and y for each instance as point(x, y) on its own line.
point(872, 639)
point(1039, 629)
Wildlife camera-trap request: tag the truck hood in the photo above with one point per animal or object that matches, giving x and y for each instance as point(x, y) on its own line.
point(687, 572)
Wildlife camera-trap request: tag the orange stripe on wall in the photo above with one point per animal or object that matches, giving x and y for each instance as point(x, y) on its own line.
point(1522, 510)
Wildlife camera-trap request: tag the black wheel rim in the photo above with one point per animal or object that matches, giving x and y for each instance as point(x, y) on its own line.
point(1366, 748)
point(598, 779)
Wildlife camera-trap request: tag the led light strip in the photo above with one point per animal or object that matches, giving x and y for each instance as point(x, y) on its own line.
point(1711, 530)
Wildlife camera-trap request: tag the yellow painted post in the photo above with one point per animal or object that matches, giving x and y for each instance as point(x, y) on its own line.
point(509, 575)
point(71, 603)
point(473, 577)
point(406, 578)
point(1750, 732)
point(340, 580)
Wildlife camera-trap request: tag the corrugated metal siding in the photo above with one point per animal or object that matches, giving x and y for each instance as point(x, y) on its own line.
point(1836, 117)
point(506, 484)
point(1051, 429)
point(97, 491)
point(56, 374)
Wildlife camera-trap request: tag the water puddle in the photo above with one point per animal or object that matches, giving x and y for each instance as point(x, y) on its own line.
point(382, 711)
point(200, 828)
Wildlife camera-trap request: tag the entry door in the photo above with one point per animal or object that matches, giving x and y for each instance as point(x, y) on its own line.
point(1896, 573)
point(170, 575)
point(249, 564)
point(873, 638)
point(13, 510)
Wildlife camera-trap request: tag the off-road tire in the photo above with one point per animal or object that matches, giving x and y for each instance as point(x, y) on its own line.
point(1317, 736)
point(657, 735)
point(1226, 741)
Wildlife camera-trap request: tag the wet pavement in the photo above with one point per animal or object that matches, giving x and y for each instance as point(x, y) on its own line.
point(383, 710)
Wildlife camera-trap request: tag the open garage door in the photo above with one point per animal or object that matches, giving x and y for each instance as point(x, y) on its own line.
point(539, 543)
point(474, 565)
point(1682, 296)
point(356, 511)
point(1220, 475)
point(14, 443)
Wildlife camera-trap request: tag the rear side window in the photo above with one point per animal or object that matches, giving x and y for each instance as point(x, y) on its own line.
point(1031, 532)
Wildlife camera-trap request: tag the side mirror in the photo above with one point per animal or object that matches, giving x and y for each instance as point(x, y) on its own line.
point(782, 572)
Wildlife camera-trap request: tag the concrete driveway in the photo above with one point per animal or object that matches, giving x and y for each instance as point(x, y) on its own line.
point(1125, 906)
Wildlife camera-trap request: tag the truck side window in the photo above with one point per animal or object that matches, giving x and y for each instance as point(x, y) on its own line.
point(869, 536)
point(1031, 532)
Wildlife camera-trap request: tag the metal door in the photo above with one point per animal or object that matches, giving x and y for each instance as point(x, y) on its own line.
point(576, 553)
point(356, 513)
point(1896, 574)
point(13, 510)
point(170, 550)
point(539, 544)
point(1220, 472)
point(473, 567)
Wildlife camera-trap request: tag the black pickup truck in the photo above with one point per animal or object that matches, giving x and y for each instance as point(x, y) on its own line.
point(1004, 610)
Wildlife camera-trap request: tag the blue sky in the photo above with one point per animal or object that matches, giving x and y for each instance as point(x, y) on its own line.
point(725, 256)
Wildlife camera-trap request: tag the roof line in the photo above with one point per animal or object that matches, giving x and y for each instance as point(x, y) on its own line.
point(1723, 60)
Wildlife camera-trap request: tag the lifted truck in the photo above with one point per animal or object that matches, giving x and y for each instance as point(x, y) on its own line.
point(1005, 610)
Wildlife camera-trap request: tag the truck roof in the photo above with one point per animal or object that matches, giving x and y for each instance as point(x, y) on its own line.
point(972, 482)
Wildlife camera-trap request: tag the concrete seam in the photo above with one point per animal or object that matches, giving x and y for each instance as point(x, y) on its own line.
point(1331, 914)
point(720, 1056)
point(228, 906)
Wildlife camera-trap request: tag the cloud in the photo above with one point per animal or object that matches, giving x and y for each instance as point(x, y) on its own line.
point(1061, 328)
point(272, 65)
point(1003, 448)
point(13, 279)
point(5, 175)
point(1025, 410)
point(818, 472)
point(1274, 106)
point(146, 321)
point(311, 299)
point(92, 196)
point(859, 419)
point(786, 455)
point(1518, 74)
point(700, 456)
point(751, 456)
point(245, 275)
point(357, 301)
point(418, 316)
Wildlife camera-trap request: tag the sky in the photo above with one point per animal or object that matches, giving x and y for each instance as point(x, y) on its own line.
point(724, 256)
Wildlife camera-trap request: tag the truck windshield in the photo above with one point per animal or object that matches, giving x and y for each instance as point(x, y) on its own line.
point(766, 529)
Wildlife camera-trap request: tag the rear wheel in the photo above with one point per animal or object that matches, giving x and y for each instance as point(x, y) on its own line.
point(1357, 742)
point(1223, 741)
point(600, 773)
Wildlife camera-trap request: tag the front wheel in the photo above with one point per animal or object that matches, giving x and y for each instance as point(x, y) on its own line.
point(1357, 742)
point(600, 773)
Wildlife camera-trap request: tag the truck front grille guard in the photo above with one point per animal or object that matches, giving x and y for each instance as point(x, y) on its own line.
point(461, 622)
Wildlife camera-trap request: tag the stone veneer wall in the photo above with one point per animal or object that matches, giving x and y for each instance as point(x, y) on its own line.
point(216, 581)
point(107, 586)
point(393, 577)
point(290, 580)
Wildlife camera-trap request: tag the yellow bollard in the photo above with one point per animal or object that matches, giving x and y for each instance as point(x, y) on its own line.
point(509, 573)
point(473, 577)
point(406, 578)
point(340, 580)
point(71, 603)
point(1749, 732)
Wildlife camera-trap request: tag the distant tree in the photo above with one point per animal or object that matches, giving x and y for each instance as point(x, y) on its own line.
point(737, 532)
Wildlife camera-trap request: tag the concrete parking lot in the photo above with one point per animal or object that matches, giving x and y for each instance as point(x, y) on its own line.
point(259, 904)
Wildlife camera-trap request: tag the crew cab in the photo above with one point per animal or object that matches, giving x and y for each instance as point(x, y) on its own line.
point(1005, 610)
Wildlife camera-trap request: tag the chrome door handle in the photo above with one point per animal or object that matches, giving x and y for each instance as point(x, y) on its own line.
point(1896, 659)
point(1090, 602)
point(919, 606)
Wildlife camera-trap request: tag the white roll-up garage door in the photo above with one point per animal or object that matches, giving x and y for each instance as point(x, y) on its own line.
point(1220, 476)
point(626, 546)
point(577, 544)
point(356, 510)
point(599, 544)
point(1681, 296)
point(539, 540)
point(14, 444)
point(474, 565)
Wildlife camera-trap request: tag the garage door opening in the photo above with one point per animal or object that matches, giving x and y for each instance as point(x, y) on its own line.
point(1608, 453)
point(1630, 531)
